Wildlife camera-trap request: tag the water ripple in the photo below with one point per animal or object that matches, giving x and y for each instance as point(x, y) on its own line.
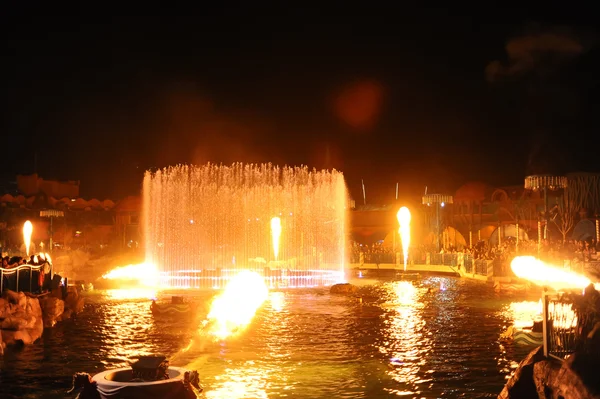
point(405, 339)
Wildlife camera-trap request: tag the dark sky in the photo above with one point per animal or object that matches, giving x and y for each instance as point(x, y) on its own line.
point(420, 97)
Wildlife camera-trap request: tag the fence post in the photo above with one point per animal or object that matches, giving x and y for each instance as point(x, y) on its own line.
point(545, 322)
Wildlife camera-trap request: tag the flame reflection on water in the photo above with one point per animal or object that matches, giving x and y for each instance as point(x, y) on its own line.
point(405, 344)
point(127, 324)
point(403, 339)
point(523, 313)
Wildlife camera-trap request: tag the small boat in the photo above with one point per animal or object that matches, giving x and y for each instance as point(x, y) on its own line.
point(149, 377)
point(528, 336)
point(177, 307)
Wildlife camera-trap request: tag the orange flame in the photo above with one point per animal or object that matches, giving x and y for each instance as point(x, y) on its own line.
point(27, 230)
point(145, 273)
point(404, 231)
point(540, 273)
point(233, 310)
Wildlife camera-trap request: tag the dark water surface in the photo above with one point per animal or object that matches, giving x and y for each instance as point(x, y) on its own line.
point(402, 340)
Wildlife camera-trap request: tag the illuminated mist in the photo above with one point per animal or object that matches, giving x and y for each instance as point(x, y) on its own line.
point(204, 224)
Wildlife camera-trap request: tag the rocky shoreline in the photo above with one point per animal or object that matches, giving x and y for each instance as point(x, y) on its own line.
point(23, 316)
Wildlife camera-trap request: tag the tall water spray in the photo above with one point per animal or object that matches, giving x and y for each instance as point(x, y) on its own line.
point(275, 235)
point(204, 224)
point(404, 231)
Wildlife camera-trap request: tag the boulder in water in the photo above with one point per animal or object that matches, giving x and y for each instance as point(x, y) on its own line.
point(343, 288)
point(541, 377)
point(20, 318)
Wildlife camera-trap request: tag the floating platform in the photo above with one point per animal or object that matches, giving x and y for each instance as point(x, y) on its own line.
point(177, 307)
point(523, 336)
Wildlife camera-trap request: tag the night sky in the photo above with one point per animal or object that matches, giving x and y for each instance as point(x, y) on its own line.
point(420, 97)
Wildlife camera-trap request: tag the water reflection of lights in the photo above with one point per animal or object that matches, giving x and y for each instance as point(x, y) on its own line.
point(248, 381)
point(406, 345)
point(277, 300)
point(127, 324)
point(254, 378)
point(522, 314)
point(132, 293)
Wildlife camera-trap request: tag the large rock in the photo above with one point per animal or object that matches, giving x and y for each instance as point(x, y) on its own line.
point(73, 301)
point(548, 378)
point(52, 308)
point(4, 308)
point(344, 288)
point(23, 318)
point(521, 384)
point(20, 318)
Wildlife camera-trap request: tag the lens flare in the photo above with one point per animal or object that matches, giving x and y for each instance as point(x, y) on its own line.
point(233, 310)
point(404, 231)
point(27, 230)
point(276, 234)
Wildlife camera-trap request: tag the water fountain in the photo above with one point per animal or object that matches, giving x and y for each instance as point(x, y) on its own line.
point(204, 224)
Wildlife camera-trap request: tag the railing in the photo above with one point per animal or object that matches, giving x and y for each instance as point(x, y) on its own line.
point(468, 263)
point(560, 333)
point(23, 277)
point(482, 267)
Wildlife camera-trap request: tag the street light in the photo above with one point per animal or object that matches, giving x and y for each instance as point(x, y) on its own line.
point(51, 213)
point(439, 201)
point(544, 183)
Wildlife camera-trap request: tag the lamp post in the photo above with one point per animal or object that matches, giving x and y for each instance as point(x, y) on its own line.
point(438, 201)
point(51, 213)
point(544, 183)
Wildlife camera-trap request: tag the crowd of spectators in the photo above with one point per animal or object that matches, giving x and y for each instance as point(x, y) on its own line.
point(553, 251)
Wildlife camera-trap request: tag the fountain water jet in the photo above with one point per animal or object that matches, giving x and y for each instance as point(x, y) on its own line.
point(276, 234)
point(204, 224)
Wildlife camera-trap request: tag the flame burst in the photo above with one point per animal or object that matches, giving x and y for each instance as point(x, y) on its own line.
point(27, 230)
point(145, 273)
point(233, 310)
point(404, 231)
point(276, 233)
point(540, 273)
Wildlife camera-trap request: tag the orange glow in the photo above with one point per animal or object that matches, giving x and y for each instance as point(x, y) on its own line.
point(276, 234)
point(132, 293)
point(360, 104)
point(145, 273)
point(405, 292)
point(233, 310)
point(524, 313)
point(27, 230)
point(404, 231)
point(540, 273)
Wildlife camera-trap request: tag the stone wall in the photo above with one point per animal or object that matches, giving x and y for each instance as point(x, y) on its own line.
point(23, 317)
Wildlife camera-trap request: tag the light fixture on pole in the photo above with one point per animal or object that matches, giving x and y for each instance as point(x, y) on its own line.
point(51, 213)
point(544, 183)
point(438, 201)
